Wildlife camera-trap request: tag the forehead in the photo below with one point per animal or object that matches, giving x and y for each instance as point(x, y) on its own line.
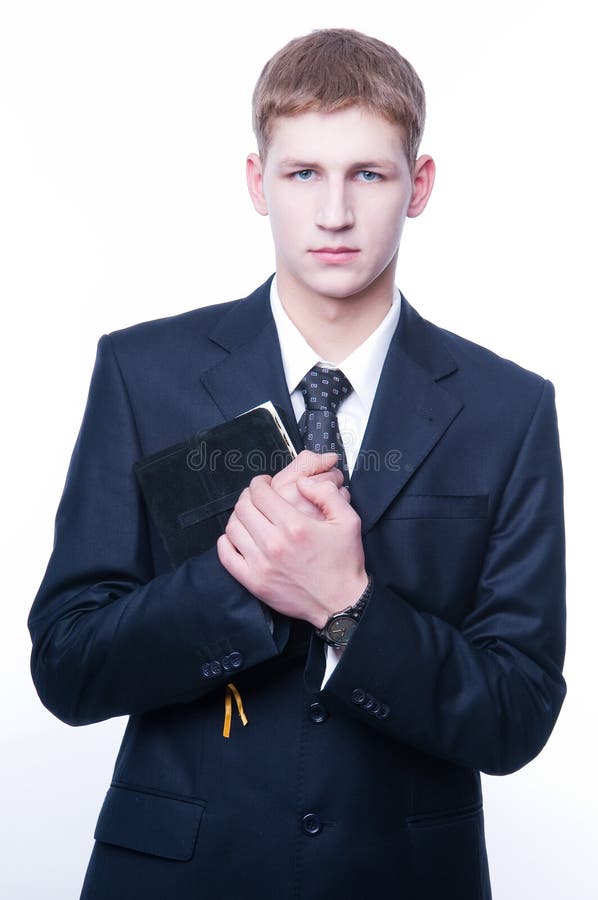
point(341, 136)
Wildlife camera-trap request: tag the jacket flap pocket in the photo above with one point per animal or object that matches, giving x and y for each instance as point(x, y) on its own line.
point(438, 506)
point(150, 823)
point(445, 817)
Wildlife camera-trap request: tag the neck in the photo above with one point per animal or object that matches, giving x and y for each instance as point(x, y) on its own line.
point(335, 326)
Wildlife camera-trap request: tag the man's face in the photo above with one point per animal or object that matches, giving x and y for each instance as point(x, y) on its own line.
point(337, 188)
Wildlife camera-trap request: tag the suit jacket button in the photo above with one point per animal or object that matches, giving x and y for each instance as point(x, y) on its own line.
point(236, 659)
point(318, 712)
point(368, 702)
point(374, 709)
point(358, 696)
point(216, 667)
point(311, 824)
point(383, 712)
point(206, 670)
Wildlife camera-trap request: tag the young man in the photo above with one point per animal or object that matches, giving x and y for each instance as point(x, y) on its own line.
point(386, 642)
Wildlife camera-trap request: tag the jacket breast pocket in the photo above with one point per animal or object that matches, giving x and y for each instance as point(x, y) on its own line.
point(149, 823)
point(438, 506)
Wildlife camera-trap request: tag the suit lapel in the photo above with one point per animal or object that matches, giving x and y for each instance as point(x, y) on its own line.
point(411, 412)
point(252, 371)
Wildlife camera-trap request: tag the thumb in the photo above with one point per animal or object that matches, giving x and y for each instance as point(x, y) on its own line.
point(323, 494)
point(306, 463)
point(310, 463)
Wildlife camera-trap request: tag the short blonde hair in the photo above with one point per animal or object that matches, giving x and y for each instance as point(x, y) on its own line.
point(335, 68)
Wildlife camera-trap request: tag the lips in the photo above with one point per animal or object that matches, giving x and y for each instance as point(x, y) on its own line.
point(336, 250)
point(335, 255)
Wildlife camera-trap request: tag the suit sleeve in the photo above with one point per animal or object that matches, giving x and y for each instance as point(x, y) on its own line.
point(485, 694)
point(109, 636)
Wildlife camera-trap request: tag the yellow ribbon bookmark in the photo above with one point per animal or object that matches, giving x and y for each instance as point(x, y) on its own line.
point(228, 708)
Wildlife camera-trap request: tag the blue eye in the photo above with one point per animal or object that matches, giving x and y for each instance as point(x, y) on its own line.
point(306, 175)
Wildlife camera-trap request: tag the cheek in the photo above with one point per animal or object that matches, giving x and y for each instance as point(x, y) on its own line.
point(387, 223)
point(287, 223)
point(285, 213)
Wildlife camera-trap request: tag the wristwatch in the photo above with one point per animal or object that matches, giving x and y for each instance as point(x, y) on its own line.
point(340, 626)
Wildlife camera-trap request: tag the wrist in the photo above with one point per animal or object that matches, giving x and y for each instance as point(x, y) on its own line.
point(348, 594)
point(340, 625)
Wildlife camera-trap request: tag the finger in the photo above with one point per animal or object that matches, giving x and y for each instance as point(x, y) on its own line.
point(240, 537)
point(324, 495)
point(289, 491)
point(334, 475)
point(306, 463)
point(230, 559)
point(246, 512)
point(270, 503)
point(301, 504)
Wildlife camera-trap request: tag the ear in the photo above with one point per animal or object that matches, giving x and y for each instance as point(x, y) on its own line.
point(255, 184)
point(423, 182)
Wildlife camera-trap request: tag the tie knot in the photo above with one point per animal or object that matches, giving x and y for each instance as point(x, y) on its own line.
point(324, 388)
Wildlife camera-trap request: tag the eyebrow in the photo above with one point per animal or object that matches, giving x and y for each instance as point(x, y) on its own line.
point(286, 161)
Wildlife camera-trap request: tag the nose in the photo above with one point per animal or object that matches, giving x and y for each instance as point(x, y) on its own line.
point(334, 211)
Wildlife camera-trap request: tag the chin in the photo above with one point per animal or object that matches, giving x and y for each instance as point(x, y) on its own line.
point(340, 292)
point(339, 285)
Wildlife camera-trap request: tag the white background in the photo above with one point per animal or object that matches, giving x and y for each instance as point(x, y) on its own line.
point(124, 131)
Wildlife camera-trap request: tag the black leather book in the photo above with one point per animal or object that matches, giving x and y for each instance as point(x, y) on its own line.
point(191, 488)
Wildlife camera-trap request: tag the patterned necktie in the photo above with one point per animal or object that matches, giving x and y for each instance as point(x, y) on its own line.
point(323, 391)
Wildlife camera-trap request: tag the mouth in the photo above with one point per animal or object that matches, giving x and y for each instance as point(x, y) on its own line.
point(335, 254)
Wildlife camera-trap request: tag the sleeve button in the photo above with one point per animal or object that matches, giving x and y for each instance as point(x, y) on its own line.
point(358, 696)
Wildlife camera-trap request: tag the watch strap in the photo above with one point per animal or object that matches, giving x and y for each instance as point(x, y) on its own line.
point(355, 612)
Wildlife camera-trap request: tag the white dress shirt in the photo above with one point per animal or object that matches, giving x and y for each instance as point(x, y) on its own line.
point(362, 367)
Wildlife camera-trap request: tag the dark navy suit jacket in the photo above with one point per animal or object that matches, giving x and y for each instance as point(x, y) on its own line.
point(370, 786)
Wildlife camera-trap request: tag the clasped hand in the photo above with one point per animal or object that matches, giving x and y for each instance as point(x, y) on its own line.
point(294, 540)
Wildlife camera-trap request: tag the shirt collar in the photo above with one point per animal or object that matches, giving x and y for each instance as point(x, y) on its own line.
point(363, 365)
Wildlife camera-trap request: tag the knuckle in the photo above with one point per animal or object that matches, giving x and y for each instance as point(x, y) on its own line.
point(289, 493)
point(301, 462)
point(296, 531)
point(258, 482)
point(305, 461)
point(241, 501)
point(355, 522)
point(275, 548)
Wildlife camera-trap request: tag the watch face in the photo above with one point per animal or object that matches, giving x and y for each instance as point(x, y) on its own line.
point(341, 629)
